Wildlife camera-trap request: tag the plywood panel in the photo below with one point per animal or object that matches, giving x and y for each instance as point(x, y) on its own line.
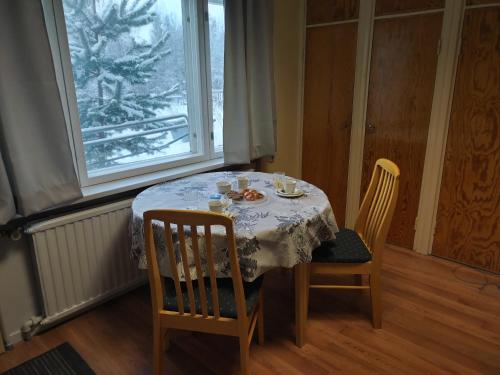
point(323, 11)
point(468, 220)
point(383, 7)
point(329, 82)
point(403, 70)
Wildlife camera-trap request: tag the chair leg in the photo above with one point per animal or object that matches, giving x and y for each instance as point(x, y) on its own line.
point(375, 294)
point(157, 349)
point(244, 354)
point(260, 319)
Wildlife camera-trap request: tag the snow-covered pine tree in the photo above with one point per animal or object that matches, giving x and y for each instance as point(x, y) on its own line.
point(109, 67)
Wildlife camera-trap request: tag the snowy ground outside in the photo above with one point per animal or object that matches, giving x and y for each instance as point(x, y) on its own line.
point(180, 147)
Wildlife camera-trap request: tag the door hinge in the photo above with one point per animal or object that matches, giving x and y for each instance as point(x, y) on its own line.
point(206, 16)
point(439, 46)
point(212, 135)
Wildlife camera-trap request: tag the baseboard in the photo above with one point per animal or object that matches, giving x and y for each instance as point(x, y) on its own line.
point(13, 338)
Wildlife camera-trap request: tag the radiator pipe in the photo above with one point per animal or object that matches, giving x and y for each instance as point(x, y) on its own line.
point(13, 234)
point(30, 327)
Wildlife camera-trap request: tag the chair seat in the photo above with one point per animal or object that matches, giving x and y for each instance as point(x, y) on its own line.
point(348, 247)
point(227, 304)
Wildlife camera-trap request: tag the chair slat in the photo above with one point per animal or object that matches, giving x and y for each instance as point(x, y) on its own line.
point(385, 202)
point(239, 293)
point(173, 267)
point(211, 268)
point(199, 271)
point(367, 230)
point(379, 206)
point(185, 263)
point(371, 208)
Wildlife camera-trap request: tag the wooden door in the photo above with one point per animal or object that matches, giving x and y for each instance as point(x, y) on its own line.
point(402, 75)
point(468, 218)
point(328, 94)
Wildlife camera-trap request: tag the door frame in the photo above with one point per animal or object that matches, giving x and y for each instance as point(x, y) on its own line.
point(442, 100)
point(359, 106)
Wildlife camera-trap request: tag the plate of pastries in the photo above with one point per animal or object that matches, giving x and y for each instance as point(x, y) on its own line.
point(246, 195)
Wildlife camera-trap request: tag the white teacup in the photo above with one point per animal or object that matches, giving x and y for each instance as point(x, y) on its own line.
point(242, 182)
point(215, 205)
point(223, 187)
point(290, 186)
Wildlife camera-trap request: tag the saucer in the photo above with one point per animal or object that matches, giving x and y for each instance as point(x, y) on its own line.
point(297, 193)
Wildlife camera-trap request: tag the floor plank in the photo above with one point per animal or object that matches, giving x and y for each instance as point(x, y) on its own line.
point(439, 318)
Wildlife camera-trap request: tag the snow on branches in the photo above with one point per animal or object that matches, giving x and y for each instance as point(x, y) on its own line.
point(110, 64)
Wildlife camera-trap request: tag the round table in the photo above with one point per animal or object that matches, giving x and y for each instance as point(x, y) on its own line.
point(274, 232)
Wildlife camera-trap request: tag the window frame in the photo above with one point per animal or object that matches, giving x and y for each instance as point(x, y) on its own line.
point(197, 57)
point(208, 73)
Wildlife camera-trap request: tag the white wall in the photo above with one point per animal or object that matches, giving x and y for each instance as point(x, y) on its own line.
point(18, 293)
point(289, 31)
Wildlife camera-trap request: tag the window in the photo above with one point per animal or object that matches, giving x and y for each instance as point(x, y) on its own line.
point(144, 82)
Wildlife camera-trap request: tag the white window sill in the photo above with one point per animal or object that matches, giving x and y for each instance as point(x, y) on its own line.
point(137, 182)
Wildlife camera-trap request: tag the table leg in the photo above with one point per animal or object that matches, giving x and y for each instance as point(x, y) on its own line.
point(301, 302)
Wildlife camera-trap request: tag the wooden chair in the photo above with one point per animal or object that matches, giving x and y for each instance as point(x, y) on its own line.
point(359, 251)
point(221, 306)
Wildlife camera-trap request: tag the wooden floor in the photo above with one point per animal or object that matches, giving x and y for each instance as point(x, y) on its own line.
point(439, 318)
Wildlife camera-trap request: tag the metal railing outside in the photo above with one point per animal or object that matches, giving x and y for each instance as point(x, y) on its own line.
point(171, 122)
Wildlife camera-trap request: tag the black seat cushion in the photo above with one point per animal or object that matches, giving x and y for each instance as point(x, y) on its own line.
point(227, 303)
point(346, 248)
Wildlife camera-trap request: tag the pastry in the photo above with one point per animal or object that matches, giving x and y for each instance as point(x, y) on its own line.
point(235, 196)
point(252, 195)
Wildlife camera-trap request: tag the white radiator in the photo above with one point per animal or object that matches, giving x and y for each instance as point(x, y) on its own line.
point(83, 259)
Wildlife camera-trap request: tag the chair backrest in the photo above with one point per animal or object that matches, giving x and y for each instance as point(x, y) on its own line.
point(193, 220)
point(377, 208)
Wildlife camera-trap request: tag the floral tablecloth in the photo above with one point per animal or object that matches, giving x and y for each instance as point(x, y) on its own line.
point(276, 232)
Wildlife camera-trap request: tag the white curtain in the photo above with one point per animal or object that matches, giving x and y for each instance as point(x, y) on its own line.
point(36, 165)
point(249, 111)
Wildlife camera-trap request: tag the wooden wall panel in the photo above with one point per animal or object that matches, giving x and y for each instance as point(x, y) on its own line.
point(329, 82)
point(402, 76)
point(468, 219)
point(383, 7)
point(324, 11)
